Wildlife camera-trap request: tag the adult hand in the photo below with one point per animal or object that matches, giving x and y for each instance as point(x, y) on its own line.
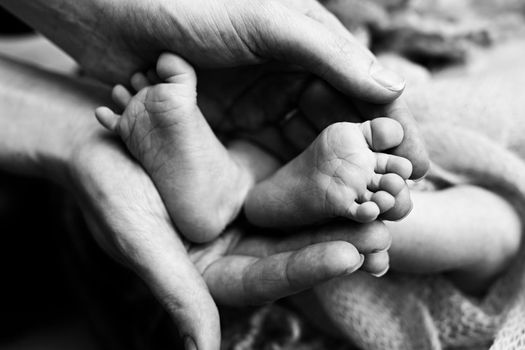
point(130, 222)
point(112, 39)
point(63, 141)
point(283, 108)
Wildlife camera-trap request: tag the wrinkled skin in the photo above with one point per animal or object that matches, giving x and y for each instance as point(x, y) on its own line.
point(130, 222)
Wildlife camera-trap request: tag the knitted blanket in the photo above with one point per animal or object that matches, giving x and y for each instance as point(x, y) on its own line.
point(472, 138)
point(410, 312)
point(402, 311)
point(473, 125)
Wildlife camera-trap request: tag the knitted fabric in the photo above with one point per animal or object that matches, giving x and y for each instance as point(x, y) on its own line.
point(408, 312)
point(428, 312)
point(401, 311)
point(476, 145)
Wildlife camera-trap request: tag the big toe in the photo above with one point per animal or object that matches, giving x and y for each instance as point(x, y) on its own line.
point(363, 212)
point(383, 133)
point(174, 69)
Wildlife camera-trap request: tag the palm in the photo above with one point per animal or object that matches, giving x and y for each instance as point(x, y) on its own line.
point(254, 101)
point(178, 27)
point(130, 212)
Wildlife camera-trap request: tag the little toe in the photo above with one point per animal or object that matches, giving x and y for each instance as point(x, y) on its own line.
point(402, 207)
point(139, 81)
point(384, 200)
point(364, 212)
point(383, 133)
point(121, 96)
point(366, 196)
point(391, 183)
point(386, 163)
point(175, 70)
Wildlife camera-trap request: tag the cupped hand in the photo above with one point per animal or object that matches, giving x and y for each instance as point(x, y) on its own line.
point(112, 39)
point(130, 222)
point(283, 108)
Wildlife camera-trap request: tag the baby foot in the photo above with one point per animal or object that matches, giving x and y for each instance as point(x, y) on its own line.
point(338, 175)
point(202, 185)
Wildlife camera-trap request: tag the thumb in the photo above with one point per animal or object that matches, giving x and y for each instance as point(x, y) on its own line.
point(286, 34)
point(164, 265)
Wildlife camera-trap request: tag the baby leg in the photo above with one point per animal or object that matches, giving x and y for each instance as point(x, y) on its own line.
point(338, 175)
point(202, 184)
point(466, 231)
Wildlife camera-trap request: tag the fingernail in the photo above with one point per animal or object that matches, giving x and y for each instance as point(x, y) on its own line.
point(356, 267)
point(382, 273)
point(387, 78)
point(189, 344)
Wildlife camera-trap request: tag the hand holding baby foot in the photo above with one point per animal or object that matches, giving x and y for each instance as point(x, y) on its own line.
point(341, 174)
point(202, 184)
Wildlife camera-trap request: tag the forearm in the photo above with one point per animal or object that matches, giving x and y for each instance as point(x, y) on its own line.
point(74, 26)
point(60, 20)
point(42, 117)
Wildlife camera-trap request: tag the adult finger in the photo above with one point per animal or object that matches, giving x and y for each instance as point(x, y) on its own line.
point(166, 269)
point(131, 217)
point(240, 280)
point(412, 147)
point(253, 110)
point(367, 238)
point(324, 106)
point(286, 34)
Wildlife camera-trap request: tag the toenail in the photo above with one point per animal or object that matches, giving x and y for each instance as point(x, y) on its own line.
point(382, 273)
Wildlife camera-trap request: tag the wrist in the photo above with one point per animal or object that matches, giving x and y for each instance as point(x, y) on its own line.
point(68, 126)
point(58, 159)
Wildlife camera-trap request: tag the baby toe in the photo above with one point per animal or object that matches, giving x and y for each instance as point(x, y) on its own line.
point(390, 183)
point(402, 207)
point(121, 96)
point(139, 81)
point(384, 200)
point(383, 133)
point(175, 70)
point(364, 212)
point(107, 118)
point(386, 163)
point(366, 196)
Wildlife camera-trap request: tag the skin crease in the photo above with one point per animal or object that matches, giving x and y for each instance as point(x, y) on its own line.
point(165, 116)
point(64, 142)
point(112, 39)
point(300, 32)
point(201, 261)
